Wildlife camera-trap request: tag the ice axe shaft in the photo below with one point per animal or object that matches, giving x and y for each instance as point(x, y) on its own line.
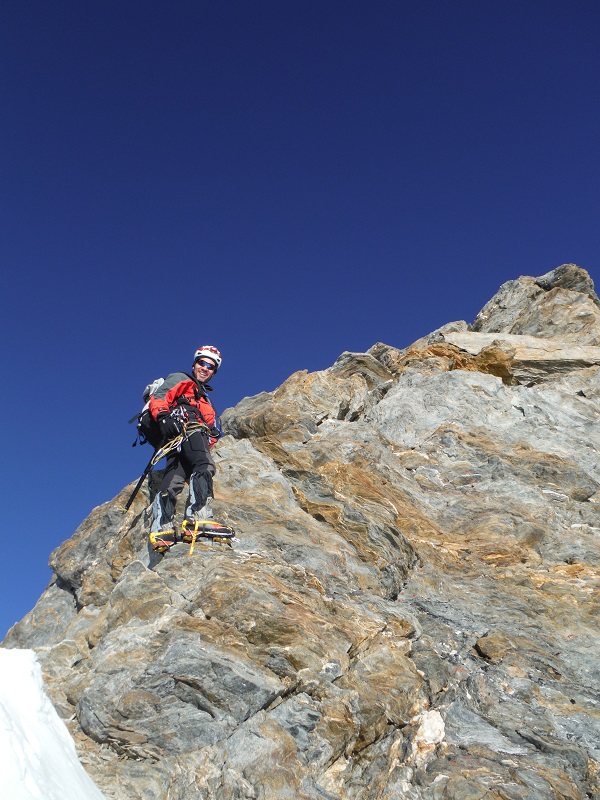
point(138, 485)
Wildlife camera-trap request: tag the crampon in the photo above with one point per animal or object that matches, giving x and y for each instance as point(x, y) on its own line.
point(191, 531)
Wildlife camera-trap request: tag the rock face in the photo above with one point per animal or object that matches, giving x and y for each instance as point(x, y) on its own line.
point(412, 608)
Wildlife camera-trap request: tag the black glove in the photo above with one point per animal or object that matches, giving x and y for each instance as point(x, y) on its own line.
point(167, 426)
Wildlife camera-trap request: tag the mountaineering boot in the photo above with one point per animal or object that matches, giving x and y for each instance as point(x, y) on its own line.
point(201, 497)
point(163, 511)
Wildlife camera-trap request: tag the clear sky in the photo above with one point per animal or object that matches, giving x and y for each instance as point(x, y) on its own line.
point(285, 180)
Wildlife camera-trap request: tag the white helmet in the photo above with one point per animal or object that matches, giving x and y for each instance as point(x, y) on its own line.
point(208, 351)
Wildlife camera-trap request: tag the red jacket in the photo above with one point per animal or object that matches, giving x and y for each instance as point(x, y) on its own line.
point(180, 389)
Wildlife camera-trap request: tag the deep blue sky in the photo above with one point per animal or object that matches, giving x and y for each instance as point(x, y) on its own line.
point(286, 180)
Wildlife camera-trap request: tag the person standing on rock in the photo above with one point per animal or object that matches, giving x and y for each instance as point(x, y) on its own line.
point(182, 399)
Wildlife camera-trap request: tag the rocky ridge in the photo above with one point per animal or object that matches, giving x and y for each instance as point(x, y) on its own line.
point(411, 610)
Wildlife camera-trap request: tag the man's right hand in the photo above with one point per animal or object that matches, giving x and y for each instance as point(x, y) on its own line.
point(168, 426)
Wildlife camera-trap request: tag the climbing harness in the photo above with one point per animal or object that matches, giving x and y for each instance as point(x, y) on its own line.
point(175, 444)
point(187, 428)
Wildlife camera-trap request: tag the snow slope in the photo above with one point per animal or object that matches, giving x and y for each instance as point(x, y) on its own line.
point(37, 754)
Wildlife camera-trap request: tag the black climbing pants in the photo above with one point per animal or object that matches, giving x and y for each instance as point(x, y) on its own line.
point(192, 459)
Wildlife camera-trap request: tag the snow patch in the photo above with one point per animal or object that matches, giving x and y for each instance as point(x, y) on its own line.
point(37, 754)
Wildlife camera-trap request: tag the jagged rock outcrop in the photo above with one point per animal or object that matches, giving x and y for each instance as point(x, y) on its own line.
point(411, 610)
point(560, 304)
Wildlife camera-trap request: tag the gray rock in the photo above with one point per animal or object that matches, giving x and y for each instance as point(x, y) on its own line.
point(464, 728)
point(562, 303)
point(531, 358)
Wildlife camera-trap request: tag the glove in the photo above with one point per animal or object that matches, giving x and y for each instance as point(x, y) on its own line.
point(167, 426)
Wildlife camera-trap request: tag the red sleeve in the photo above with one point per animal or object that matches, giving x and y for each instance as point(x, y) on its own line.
point(210, 417)
point(163, 401)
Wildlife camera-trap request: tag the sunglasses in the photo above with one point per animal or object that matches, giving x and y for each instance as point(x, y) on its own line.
point(206, 364)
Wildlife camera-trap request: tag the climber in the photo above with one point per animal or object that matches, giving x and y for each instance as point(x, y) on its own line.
point(181, 405)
